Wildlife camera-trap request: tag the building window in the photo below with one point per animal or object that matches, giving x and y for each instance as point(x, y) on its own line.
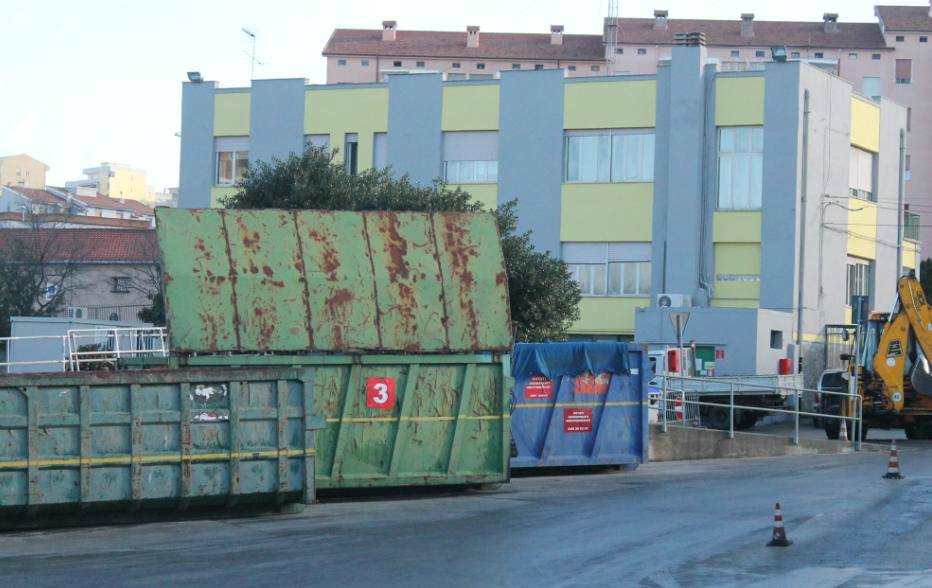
point(231, 165)
point(480, 66)
point(758, 54)
point(365, 62)
point(875, 56)
point(853, 56)
point(642, 51)
point(470, 157)
point(861, 174)
point(903, 71)
point(735, 53)
point(610, 156)
point(317, 141)
point(515, 66)
point(858, 279)
point(794, 54)
point(351, 153)
point(341, 62)
point(609, 269)
point(923, 39)
point(120, 285)
point(470, 172)
point(418, 64)
point(594, 68)
point(870, 87)
point(571, 67)
point(776, 339)
point(619, 50)
point(740, 167)
point(396, 64)
point(379, 150)
point(538, 66)
point(456, 65)
point(900, 38)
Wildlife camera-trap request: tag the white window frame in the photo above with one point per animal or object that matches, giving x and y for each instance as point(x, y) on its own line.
point(236, 172)
point(863, 275)
point(606, 267)
point(754, 159)
point(640, 140)
point(479, 171)
point(858, 160)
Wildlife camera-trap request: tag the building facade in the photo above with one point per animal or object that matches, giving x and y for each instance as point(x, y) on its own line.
point(22, 171)
point(887, 58)
point(114, 180)
point(713, 187)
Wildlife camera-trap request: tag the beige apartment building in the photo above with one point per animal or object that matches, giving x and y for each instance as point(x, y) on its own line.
point(22, 171)
point(115, 180)
point(887, 58)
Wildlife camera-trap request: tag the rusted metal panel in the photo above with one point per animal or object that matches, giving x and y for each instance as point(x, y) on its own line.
point(133, 439)
point(287, 281)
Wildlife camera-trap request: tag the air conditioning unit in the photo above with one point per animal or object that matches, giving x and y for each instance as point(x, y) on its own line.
point(77, 312)
point(674, 300)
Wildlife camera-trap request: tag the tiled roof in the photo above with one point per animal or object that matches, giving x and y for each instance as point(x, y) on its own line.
point(446, 44)
point(87, 245)
point(107, 203)
point(850, 35)
point(905, 18)
point(80, 219)
point(39, 196)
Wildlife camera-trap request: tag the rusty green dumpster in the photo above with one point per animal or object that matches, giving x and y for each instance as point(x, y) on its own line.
point(403, 319)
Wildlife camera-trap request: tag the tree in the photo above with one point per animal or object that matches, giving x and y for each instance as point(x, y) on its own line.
point(544, 297)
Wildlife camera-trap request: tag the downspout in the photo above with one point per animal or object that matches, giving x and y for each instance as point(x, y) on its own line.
point(704, 187)
point(804, 176)
point(900, 197)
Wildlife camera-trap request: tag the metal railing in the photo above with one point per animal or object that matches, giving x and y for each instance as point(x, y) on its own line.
point(83, 348)
point(851, 403)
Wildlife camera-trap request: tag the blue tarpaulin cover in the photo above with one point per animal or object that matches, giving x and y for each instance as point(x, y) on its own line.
point(556, 360)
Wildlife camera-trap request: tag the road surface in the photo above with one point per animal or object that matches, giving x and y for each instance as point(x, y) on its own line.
point(666, 524)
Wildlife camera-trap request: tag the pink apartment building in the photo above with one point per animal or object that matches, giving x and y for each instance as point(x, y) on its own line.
point(888, 58)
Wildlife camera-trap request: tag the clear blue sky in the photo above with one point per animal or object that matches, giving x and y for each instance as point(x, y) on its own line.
point(100, 80)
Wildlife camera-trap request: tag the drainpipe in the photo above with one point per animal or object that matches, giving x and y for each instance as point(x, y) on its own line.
point(901, 190)
point(804, 174)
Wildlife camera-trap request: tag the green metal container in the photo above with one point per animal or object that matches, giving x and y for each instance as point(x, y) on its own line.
point(162, 437)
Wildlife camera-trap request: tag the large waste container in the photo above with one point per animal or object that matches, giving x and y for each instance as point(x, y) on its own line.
point(164, 437)
point(579, 404)
point(403, 319)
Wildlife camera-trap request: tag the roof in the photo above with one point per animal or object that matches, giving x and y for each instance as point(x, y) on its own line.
point(905, 18)
point(850, 35)
point(38, 195)
point(447, 44)
point(89, 245)
point(25, 155)
point(79, 219)
point(107, 203)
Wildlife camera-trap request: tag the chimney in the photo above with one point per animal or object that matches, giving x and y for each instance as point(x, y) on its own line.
point(389, 27)
point(472, 36)
point(747, 24)
point(830, 20)
point(556, 34)
point(660, 19)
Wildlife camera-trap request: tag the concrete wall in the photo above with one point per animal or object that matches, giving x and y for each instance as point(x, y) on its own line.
point(276, 119)
point(197, 144)
point(415, 143)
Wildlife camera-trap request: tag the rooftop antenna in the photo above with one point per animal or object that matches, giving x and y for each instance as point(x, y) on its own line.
point(611, 34)
point(252, 58)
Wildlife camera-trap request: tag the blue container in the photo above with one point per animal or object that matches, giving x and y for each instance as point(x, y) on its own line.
point(579, 404)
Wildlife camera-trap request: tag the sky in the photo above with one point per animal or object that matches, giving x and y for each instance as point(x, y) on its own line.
point(100, 80)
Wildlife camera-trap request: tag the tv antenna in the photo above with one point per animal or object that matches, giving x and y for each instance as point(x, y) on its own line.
point(252, 56)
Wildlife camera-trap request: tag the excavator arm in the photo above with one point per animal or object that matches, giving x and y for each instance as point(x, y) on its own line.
point(911, 313)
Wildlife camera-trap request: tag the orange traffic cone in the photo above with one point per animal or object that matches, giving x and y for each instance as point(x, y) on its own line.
point(779, 533)
point(843, 433)
point(893, 465)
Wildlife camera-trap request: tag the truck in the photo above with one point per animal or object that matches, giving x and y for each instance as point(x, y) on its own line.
point(758, 391)
point(889, 369)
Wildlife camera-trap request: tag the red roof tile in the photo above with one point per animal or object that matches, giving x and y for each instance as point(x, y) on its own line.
point(40, 196)
point(87, 245)
point(80, 219)
point(905, 18)
point(446, 44)
point(107, 203)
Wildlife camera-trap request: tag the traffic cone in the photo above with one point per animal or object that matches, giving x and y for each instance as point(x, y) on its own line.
point(779, 533)
point(843, 433)
point(893, 465)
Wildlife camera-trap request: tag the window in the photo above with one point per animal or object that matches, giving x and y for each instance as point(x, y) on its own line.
point(610, 156)
point(861, 174)
point(594, 68)
point(365, 62)
point(735, 53)
point(853, 56)
point(480, 66)
point(875, 56)
point(923, 39)
point(642, 51)
point(858, 279)
point(379, 150)
point(418, 64)
point(776, 339)
point(794, 54)
point(571, 67)
point(870, 87)
point(758, 54)
point(619, 50)
point(351, 153)
point(903, 71)
point(900, 38)
point(232, 159)
point(740, 167)
point(515, 66)
point(317, 141)
point(819, 55)
point(470, 157)
point(120, 285)
point(538, 66)
point(610, 269)
point(341, 62)
point(456, 65)
point(396, 64)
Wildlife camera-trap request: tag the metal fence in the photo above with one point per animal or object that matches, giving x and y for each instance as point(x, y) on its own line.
point(682, 390)
point(87, 349)
point(126, 313)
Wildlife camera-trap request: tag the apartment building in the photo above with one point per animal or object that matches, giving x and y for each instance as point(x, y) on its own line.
point(744, 196)
point(22, 171)
point(885, 58)
point(114, 180)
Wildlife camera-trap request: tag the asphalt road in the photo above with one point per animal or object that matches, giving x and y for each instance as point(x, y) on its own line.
point(666, 524)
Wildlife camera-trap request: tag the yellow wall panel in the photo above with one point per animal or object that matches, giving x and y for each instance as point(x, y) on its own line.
point(487, 194)
point(612, 315)
point(218, 192)
point(347, 110)
point(470, 108)
point(736, 227)
point(737, 259)
point(611, 104)
point(607, 212)
point(865, 124)
point(862, 229)
point(739, 101)
point(231, 114)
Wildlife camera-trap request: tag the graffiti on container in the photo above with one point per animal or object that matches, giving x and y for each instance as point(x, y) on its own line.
point(204, 392)
point(210, 417)
point(589, 383)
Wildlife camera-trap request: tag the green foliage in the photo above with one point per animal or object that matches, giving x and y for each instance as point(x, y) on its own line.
point(30, 263)
point(544, 298)
point(154, 314)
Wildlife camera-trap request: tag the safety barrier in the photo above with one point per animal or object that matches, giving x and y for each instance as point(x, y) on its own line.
point(82, 349)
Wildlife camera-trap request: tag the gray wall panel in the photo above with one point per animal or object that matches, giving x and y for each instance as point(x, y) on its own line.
point(415, 143)
point(276, 115)
point(197, 144)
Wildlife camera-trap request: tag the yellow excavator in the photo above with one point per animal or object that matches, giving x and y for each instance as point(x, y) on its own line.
point(891, 347)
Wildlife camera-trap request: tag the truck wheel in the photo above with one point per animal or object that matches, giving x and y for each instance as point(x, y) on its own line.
point(832, 428)
point(745, 419)
point(717, 418)
point(912, 431)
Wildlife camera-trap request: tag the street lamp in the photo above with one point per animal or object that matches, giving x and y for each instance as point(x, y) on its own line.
point(778, 53)
point(195, 76)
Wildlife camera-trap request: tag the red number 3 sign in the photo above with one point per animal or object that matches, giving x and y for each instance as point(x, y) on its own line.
point(380, 393)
